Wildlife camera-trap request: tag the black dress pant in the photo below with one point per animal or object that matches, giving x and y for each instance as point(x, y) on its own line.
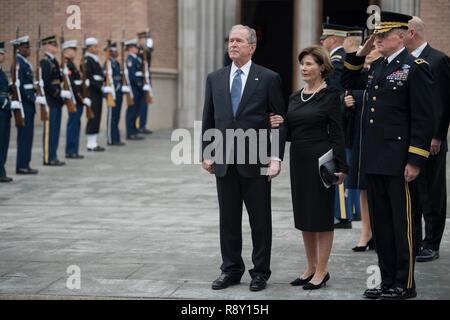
point(93, 125)
point(390, 206)
point(432, 186)
point(234, 190)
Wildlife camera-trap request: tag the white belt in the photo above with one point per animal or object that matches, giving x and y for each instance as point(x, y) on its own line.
point(139, 74)
point(97, 77)
point(28, 86)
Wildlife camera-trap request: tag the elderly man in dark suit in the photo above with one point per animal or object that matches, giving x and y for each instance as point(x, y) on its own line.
point(432, 180)
point(240, 98)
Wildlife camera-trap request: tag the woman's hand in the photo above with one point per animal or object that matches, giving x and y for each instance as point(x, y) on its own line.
point(341, 176)
point(275, 120)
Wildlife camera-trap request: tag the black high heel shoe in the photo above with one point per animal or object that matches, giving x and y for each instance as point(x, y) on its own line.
point(312, 286)
point(301, 282)
point(370, 244)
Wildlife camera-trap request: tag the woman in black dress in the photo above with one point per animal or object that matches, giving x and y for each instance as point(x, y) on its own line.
point(314, 125)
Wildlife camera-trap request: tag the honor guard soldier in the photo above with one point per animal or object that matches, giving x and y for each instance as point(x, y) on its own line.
point(95, 78)
point(136, 81)
point(6, 105)
point(55, 95)
point(113, 132)
point(396, 142)
point(432, 179)
point(74, 120)
point(25, 135)
point(145, 44)
point(333, 39)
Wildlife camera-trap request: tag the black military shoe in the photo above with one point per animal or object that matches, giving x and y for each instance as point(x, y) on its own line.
point(74, 156)
point(55, 163)
point(398, 294)
point(135, 137)
point(258, 283)
point(27, 171)
point(375, 293)
point(145, 131)
point(96, 149)
point(426, 255)
point(343, 224)
point(5, 179)
point(116, 144)
point(224, 281)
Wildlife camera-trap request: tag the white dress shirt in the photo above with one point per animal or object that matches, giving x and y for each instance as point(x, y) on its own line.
point(244, 75)
point(393, 56)
point(418, 51)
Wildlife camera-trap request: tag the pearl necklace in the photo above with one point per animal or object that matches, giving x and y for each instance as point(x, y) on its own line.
point(323, 85)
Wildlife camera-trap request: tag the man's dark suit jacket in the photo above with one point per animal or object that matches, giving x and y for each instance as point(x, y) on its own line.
point(440, 68)
point(262, 96)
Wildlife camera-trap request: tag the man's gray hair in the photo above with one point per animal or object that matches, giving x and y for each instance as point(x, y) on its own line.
point(251, 32)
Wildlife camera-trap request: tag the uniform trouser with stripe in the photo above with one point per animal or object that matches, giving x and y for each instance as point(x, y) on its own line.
point(73, 131)
point(346, 202)
point(25, 137)
point(5, 132)
point(113, 116)
point(432, 188)
point(93, 125)
point(142, 119)
point(133, 112)
point(52, 129)
point(390, 206)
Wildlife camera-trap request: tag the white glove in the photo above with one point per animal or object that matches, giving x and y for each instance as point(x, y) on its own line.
point(126, 89)
point(65, 94)
point(86, 82)
point(41, 100)
point(41, 83)
point(149, 43)
point(66, 71)
point(146, 87)
point(16, 105)
point(87, 102)
point(17, 84)
point(107, 89)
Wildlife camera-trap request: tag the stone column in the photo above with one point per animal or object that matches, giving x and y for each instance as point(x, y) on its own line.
point(306, 13)
point(202, 27)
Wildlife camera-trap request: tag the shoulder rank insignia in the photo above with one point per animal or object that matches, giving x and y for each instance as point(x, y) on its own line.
point(420, 61)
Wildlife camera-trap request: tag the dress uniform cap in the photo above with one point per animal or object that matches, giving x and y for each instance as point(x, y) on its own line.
point(142, 34)
point(391, 20)
point(70, 44)
point(49, 40)
point(22, 41)
point(131, 42)
point(333, 30)
point(112, 47)
point(90, 41)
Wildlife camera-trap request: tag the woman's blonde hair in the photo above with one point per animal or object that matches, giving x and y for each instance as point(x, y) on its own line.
point(320, 56)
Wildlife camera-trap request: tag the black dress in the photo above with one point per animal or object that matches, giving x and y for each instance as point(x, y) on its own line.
point(314, 127)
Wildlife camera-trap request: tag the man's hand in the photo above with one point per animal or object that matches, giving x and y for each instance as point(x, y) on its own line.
point(435, 146)
point(350, 45)
point(146, 87)
point(349, 100)
point(274, 169)
point(16, 105)
point(87, 102)
point(65, 94)
point(208, 165)
point(411, 172)
point(275, 120)
point(41, 100)
point(365, 50)
point(341, 176)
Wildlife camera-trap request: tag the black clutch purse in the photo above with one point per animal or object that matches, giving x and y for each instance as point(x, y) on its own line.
point(327, 171)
